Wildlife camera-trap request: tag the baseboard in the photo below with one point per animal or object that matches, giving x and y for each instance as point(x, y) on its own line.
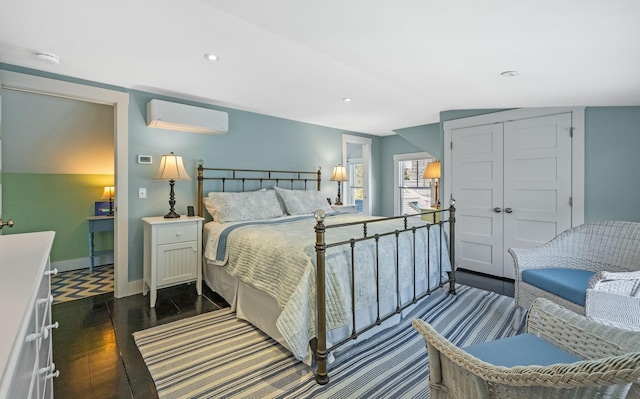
point(135, 287)
point(81, 263)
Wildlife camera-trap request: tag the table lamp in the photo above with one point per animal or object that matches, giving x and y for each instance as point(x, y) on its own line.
point(108, 193)
point(171, 169)
point(432, 171)
point(339, 175)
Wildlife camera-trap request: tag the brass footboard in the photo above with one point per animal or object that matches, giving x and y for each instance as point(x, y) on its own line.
point(319, 344)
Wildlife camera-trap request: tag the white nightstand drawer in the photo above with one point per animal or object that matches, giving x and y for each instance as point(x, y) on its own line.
point(179, 232)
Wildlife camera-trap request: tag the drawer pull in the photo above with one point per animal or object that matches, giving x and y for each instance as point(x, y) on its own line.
point(32, 337)
point(48, 369)
point(49, 328)
point(51, 272)
point(48, 299)
point(53, 375)
point(178, 234)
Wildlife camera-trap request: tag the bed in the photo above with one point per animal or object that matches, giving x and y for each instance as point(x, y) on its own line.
point(284, 260)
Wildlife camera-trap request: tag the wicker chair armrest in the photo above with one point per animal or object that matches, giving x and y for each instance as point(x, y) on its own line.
point(616, 310)
point(577, 334)
point(546, 256)
point(590, 373)
point(621, 283)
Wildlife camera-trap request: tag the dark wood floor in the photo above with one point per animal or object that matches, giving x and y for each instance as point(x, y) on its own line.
point(94, 349)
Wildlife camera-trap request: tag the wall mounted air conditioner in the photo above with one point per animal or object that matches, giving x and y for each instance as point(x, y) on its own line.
point(186, 118)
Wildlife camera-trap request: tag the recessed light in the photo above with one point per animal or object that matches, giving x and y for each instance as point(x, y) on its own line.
point(48, 58)
point(211, 57)
point(346, 99)
point(509, 74)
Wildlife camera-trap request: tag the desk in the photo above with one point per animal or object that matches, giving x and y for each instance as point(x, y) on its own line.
point(96, 225)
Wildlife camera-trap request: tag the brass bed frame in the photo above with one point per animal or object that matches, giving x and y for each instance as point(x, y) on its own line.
point(258, 178)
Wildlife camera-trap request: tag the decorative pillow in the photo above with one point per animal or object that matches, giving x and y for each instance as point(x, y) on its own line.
point(302, 202)
point(238, 207)
point(209, 206)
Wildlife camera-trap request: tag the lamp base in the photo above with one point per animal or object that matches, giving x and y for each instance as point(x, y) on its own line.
point(171, 215)
point(338, 202)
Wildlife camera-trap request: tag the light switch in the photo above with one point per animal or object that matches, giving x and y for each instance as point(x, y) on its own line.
point(142, 193)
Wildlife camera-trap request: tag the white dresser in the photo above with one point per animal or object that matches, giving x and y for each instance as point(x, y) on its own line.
point(172, 253)
point(26, 362)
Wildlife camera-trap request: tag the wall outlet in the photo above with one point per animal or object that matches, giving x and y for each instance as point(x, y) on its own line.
point(142, 193)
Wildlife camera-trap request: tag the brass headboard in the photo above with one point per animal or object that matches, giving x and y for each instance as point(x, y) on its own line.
point(224, 175)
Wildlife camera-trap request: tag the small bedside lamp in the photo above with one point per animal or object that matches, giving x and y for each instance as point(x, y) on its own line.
point(171, 169)
point(339, 175)
point(109, 193)
point(432, 171)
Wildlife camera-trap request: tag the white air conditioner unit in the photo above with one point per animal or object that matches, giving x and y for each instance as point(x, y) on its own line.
point(186, 118)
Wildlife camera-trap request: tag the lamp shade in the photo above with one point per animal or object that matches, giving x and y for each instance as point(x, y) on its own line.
point(432, 171)
point(339, 174)
point(109, 192)
point(171, 168)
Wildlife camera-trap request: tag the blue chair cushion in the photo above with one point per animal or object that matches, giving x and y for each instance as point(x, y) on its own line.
point(570, 284)
point(520, 350)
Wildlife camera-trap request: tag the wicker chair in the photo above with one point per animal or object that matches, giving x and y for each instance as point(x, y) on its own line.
point(610, 367)
point(611, 249)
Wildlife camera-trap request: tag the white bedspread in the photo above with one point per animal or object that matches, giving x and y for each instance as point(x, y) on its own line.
point(279, 259)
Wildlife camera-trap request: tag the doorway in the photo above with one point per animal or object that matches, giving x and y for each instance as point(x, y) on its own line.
point(356, 156)
point(119, 102)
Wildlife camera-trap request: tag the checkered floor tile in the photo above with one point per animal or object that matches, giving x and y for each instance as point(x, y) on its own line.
point(77, 284)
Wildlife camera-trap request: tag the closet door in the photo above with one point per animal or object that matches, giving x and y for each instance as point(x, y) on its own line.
point(512, 186)
point(477, 174)
point(537, 182)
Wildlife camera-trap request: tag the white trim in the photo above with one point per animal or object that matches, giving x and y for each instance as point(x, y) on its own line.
point(577, 148)
point(120, 102)
point(81, 263)
point(396, 175)
point(135, 287)
point(366, 163)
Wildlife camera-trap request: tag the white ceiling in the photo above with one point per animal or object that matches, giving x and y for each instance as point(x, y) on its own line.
point(402, 62)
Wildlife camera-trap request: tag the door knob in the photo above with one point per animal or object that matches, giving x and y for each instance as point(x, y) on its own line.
point(8, 223)
point(497, 209)
point(508, 210)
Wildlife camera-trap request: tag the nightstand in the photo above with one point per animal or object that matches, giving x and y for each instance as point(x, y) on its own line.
point(98, 224)
point(344, 208)
point(172, 253)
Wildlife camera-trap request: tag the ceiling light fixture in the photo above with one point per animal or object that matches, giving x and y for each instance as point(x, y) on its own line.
point(48, 58)
point(509, 74)
point(211, 57)
point(346, 99)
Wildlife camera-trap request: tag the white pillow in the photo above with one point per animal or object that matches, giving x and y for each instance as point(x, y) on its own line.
point(238, 207)
point(302, 202)
point(209, 206)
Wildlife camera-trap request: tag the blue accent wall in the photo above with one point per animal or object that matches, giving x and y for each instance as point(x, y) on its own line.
point(612, 163)
point(254, 141)
point(391, 145)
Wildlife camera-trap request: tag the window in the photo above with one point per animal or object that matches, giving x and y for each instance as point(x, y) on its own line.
point(413, 191)
point(356, 184)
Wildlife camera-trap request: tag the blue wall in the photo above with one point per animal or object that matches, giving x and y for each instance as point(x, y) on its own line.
point(254, 141)
point(612, 163)
point(391, 145)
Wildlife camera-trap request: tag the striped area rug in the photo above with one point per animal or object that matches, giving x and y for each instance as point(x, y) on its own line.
point(215, 355)
point(78, 284)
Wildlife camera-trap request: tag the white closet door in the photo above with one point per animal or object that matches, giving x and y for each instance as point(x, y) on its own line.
point(537, 181)
point(477, 173)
